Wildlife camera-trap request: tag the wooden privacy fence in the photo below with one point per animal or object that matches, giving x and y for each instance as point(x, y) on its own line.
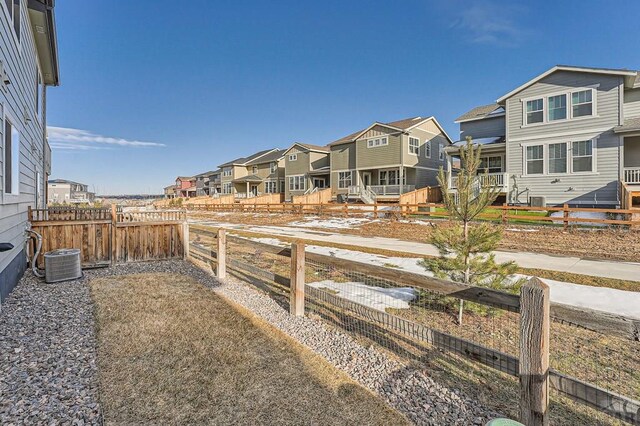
point(532, 307)
point(109, 236)
point(505, 214)
point(429, 194)
point(319, 197)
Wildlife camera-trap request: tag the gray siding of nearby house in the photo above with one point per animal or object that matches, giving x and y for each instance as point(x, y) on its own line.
point(375, 157)
point(632, 103)
point(427, 133)
point(17, 100)
point(343, 157)
point(318, 160)
point(485, 128)
point(600, 187)
point(632, 151)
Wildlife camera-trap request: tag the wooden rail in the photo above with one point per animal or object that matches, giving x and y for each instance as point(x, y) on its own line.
point(532, 367)
point(503, 214)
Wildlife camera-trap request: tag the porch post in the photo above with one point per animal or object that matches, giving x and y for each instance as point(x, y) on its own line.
point(449, 167)
point(401, 173)
point(247, 190)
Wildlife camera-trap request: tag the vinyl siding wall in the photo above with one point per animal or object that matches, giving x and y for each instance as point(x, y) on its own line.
point(597, 188)
point(632, 103)
point(485, 128)
point(17, 100)
point(381, 155)
point(343, 157)
point(307, 161)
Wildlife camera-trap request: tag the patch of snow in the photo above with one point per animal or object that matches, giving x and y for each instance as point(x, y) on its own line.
point(416, 222)
point(522, 230)
point(582, 215)
point(378, 298)
point(333, 223)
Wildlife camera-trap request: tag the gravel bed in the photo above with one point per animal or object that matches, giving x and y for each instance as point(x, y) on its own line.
point(48, 370)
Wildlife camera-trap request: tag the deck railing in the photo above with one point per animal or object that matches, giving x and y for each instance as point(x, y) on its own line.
point(499, 179)
point(632, 175)
point(391, 189)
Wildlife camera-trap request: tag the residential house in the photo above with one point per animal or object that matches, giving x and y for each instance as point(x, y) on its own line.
point(202, 183)
point(169, 191)
point(245, 177)
point(385, 160)
point(61, 191)
point(306, 169)
point(569, 135)
point(185, 186)
point(28, 64)
point(215, 184)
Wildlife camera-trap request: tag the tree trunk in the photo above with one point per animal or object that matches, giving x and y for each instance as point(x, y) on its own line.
point(461, 308)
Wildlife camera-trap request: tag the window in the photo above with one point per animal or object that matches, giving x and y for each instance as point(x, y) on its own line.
point(535, 160)
point(558, 158)
point(582, 156)
point(557, 107)
point(226, 172)
point(389, 177)
point(414, 145)
point(271, 186)
point(535, 111)
point(344, 180)
point(441, 152)
point(13, 8)
point(427, 149)
point(226, 188)
point(582, 103)
point(492, 164)
point(254, 169)
point(11, 158)
point(273, 167)
point(297, 183)
point(372, 143)
point(293, 157)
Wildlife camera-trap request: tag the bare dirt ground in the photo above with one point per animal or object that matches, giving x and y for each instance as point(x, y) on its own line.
point(608, 243)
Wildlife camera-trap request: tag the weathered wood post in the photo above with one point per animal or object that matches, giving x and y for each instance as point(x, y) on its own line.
point(375, 211)
point(565, 215)
point(185, 239)
point(534, 353)
point(296, 291)
point(114, 233)
point(221, 269)
point(505, 210)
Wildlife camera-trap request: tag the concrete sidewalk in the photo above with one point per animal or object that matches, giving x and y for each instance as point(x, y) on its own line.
point(629, 271)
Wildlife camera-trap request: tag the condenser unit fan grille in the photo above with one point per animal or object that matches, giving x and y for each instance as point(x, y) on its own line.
point(62, 265)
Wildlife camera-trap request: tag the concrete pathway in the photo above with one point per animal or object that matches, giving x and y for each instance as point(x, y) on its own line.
point(598, 268)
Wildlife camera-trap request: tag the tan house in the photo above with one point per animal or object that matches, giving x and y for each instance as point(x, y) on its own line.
point(246, 177)
point(306, 169)
point(385, 160)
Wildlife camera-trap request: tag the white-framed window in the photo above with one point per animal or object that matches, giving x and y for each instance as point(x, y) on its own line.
point(226, 172)
point(271, 186)
point(535, 111)
point(297, 183)
point(557, 107)
point(557, 158)
point(226, 188)
point(11, 158)
point(344, 179)
point(491, 163)
point(441, 151)
point(582, 156)
point(13, 14)
point(254, 170)
point(535, 160)
point(389, 177)
point(273, 167)
point(582, 103)
point(376, 142)
point(293, 157)
point(427, 148)
point(414, 145)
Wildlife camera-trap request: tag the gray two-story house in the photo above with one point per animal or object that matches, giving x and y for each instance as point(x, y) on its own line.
point(570, 135)
point(306, 169)
point(28, 64)
point(385, 160)
point(248, 176)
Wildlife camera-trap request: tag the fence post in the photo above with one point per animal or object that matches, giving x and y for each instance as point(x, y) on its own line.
point(114, 234)
point(565, 215)
point(296, 290)
point(505, 210)
point(534, 353)
point(345, 210)
point(185, 239)
point(221, 269)
point(375, 211)
point(29, 214)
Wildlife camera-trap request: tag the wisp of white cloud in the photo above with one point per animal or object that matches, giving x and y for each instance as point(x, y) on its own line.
point(66, 138)
point(492, 23)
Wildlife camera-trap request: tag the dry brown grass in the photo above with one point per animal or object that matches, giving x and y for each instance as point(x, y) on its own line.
point(170, 351)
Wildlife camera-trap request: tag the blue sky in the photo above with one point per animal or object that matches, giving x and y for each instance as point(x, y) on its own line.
point(154, 89)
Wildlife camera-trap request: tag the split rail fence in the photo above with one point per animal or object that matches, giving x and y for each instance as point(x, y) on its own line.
point(505, 214)
point(106, 236)
point(520, 347)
